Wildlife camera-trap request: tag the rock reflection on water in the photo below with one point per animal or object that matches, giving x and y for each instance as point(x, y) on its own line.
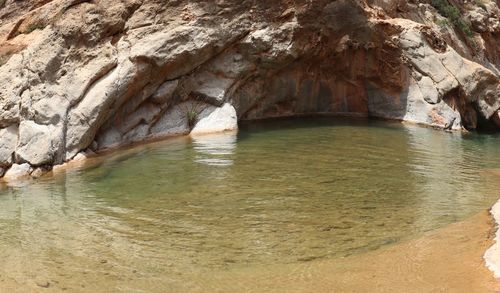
point(156, 217)
point(441, 163)
point(216, 149)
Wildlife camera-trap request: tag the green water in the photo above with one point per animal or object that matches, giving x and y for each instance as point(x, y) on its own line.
point(278, 192)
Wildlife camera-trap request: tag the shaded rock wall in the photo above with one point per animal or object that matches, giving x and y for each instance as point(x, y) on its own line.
point(89, 75)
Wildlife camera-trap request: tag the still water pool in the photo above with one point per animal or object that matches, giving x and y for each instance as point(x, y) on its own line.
point(279, 192)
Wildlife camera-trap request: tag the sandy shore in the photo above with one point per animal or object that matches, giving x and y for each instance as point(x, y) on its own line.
point(446, 260)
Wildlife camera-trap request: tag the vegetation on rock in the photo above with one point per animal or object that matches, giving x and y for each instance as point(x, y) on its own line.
point(452, 13)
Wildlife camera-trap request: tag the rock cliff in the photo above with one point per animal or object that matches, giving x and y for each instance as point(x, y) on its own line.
point(81, 76)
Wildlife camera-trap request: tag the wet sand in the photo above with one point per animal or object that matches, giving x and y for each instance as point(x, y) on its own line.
point(446, 260)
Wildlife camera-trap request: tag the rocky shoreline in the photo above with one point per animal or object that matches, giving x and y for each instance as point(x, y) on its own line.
point(492, 255)
point(80, 77)
point(459, 237)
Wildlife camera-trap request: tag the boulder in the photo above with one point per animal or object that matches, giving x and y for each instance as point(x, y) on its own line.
point(18, 171)
point(83, 155)
point(8, 143)
point(216, 119)
point(39, 144)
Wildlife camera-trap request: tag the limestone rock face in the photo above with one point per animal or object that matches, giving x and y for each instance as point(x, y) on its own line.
point(216, 119)
point(79, 75)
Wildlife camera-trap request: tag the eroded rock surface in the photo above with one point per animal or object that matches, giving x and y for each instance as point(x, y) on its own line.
point(89, 75)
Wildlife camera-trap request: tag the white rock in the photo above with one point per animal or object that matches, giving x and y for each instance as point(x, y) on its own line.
point(18, 171)
point(492, 255)
point(428, 89)
point(38, 172)
point(165, 47)
point(38, 144)
point(90, 114)
point(8, 142)
point(77, 82)
point(216, 120)
point(82, 156)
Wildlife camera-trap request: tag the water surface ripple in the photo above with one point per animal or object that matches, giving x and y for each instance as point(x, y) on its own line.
point(279, 192)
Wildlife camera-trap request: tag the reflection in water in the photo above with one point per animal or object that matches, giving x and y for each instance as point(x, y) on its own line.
point(156, 217)
point(441, 165)
point(215, 150)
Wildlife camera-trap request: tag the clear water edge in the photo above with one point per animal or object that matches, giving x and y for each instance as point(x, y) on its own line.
point(283, 191)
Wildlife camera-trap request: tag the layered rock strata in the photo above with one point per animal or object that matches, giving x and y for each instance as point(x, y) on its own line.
point(82, 76)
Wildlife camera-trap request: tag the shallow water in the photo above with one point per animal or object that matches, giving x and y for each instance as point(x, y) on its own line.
point(279, 192)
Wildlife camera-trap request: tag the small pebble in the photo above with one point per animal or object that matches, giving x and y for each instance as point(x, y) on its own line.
point(43, 284)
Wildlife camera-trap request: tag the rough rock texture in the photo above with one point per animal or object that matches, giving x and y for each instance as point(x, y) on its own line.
point(492, 255)
point(18, 171)
point(82, 75)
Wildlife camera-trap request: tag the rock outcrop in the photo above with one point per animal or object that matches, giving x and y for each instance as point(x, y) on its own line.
point(81, 76)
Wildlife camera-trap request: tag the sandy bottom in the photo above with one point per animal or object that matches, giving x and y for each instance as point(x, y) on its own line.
point(444, 260)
